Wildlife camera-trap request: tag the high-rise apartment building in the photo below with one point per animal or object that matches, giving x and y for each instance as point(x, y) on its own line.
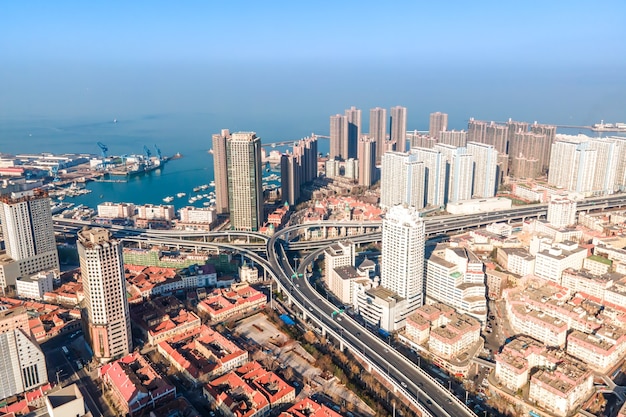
point(419, 140)
point(378, 129)
point(561, 212)
point(435, 174)
point(572, 166)
point(476, 130)
point(22, 363)
point(338, 137)
point(402, 268)
point(353, 118)
point(402, 180)
point(456, 138)
point(290, 178)
point(529, 145)
point(367, 161)
point(485, 169)
point(608, 155)
point(497, 136)
point(220, 169)
point(397, 128)
point(104, 285)
point(549, 131)
point(245, 190)
point(515, 127)
point(438, 124)
point(460, 172)
point(28, 234)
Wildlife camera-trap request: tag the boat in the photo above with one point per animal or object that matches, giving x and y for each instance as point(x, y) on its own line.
point(196, 189)
point(181, 195)
point(212, 184)
point(206, 203)
point(204, 186)
point(168, 199)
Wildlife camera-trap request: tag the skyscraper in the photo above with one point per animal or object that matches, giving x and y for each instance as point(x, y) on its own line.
point(104, 285)
point(220, 168)
point(476, 130)
point(367, 161)
point(402, 268)
point(378, 129)
point(338, 136)
point(353, 118)
point(497, 136)
point(531, 146)
point(22, 363)
point(397, 128)
point(549, 131)
point(460, 172)
point(245, 191)
point(438, 124)
point(485, 169)
point(402, 180)
point(453, 137)
point(572, 166)
point(290, 178)
point(435, 172)
point(28, 233)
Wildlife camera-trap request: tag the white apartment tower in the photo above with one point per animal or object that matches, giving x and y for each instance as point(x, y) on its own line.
point(22, 363)
point(398, 127)
point(485, 169)
point(572, 166)
point(435, 174)
point(561, 212)
point(402, 180)
point(245, 189)
point(460, 172)
point(104, 285)
point(402, 269)
point(28, 233)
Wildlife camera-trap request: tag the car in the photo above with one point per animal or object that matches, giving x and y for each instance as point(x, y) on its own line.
point(338, 318)
point(429, 402)
point(403, 384)
point(449, 401)
point(358, 333)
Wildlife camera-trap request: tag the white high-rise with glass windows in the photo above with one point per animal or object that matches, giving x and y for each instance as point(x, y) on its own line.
point(402, 269)
point(104, 285)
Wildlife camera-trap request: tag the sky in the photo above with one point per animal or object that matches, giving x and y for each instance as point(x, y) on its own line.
point(295, 63)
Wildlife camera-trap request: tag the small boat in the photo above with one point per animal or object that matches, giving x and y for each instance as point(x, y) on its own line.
point(168, 199)
point(196, 189)
point(181, 195)
point(212, 184)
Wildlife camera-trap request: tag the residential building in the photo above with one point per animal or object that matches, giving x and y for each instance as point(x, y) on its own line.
point(438, 124)
point(35, 286)
point(549, 131)
point(67, 401)
point(457, 138)
point(485, 169)
point(309, 408)
point(402, 180)
point(572, 165)
point(435, 175)
point(516, 260)
point(367, 161)
point(378, 130)
point(353, 119)
point(529, 146)
point(338, 136)
point(561, 212)
point(397, 127)
point(476, 130)
point(245, 192)
point(104, 286)
point(402, 272)
point(235, 397)
point(460, 172)
point(110, 210)
point(550, 263)
point(219, 305)
point(28, 235)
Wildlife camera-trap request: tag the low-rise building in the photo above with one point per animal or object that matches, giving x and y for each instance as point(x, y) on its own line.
point(240, 298)
point(267, 383)
point(550, 263)
point(309, 408)
point(134, 384)
point(163, 318)
point(151, 281)
point(516, 260)
point(235, 397)
point(35, 286)
point(380, 307)
point(601, 350)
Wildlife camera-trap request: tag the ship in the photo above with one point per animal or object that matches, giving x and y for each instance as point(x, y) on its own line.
point(168, 199)
point(609, 127)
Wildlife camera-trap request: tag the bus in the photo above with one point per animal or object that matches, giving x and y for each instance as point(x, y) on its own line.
point(67, 352)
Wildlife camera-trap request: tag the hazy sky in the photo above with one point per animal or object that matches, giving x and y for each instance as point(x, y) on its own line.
point(552, 61)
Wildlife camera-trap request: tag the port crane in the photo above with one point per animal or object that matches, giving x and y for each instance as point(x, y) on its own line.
point(158, 152)
point(55, 173)
point(103, 149)
point(147, 152)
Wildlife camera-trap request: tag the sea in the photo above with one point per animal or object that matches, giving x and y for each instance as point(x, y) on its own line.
point(187, 134)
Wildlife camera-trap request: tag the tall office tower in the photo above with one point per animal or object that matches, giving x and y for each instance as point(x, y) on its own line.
point(220, 168)
point(572, 166)
point(438, 124)
point(435, 171)
point(104, 285)
point(485, 169)
point(460, 172)
point(402, 180)
point(397, 128)
point(378, 129)
point(607, 165)
point(290, 178)
point(418, 140)
point(28, 233)
point(245, 190)
point(476, 130)
point(515, 127)
point(530, 145)
point(353, 118)
point(561, 212)
point(402, 268)
point(456, 138)
point(22, 363)
point(367, 161)
point(338, 137)
point(549, 131)
point(455, 277)
point(497, 136)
